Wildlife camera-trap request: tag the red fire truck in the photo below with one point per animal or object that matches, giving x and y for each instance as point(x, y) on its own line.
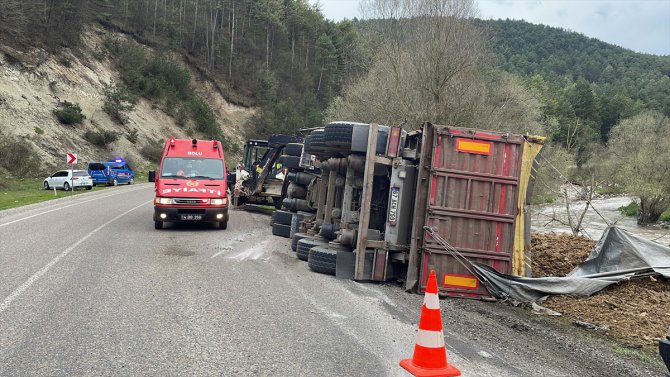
point(191, 183)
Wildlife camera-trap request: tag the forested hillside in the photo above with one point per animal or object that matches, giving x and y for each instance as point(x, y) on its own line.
point(581, 79)
point(282, 56)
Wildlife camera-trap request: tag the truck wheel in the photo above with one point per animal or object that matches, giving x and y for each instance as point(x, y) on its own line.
point(314, 143)
point(304, 244)
point(89, 187)
point(291, 162)
point(223, 225)
point(338, 135)
point(281, 230)
point(297, 237)
point(282, 217)
point(322, 259)
point(293, 149)
point(158, 225)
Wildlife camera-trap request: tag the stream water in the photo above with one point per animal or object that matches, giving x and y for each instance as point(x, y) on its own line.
point(552, 218)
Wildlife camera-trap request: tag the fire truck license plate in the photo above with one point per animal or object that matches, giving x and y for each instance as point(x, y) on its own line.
point(393, 208)
point(191, 217)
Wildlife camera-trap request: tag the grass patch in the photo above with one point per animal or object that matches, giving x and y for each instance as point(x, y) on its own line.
point(542, 199)
point(20, 192)
point(629, 210)
point(608, 190)
point(635, 354)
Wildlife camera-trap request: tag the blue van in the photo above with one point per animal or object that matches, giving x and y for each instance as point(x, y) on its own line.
point(111, 173)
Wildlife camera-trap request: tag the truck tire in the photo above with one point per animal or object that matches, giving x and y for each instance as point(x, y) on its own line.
point(293, 149)
point(338, 135)
point(295, 191)
point(223, 224)
point(304, 244)
point(322, 259)
point(281, 230)
point(291, 162)
point(282, 217)
point(315, 144)
point(297, 237)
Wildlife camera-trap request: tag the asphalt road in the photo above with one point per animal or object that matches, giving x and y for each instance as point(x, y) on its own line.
point(89, 288)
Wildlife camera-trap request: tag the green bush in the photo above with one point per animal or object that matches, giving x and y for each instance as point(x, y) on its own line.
point(118, 101)
point(629, 210)
point(19, 158)
point(132, 136)
point(101, 138)
point(204, 118)
point(65, 62)
point(152, 151)
point(69, 113)
point(665, 216)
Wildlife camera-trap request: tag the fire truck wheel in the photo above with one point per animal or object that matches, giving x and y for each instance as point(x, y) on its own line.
point(158, 224)
point(291, 162)
point(282, 217)
point(281, 230)
point(297, 237)
point(293, 149)
point(302, 249)
point(322, 259)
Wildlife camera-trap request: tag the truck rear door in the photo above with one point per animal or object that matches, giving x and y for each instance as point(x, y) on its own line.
point(471, 201)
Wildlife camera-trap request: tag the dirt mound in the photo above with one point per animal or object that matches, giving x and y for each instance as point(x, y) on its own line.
point(636, 313)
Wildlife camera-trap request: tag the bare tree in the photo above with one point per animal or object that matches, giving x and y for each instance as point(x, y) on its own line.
point(432, 64)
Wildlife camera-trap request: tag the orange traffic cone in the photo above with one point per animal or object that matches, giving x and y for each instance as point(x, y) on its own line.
point(430, 354)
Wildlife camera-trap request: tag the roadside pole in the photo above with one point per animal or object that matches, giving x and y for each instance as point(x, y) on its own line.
point(71, 159)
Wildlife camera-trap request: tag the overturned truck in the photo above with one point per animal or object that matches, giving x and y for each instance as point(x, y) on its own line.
point(378, 189)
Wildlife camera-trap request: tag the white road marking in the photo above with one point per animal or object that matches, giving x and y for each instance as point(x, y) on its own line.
point(69, 205)
point(253, 253)
point(18, 291)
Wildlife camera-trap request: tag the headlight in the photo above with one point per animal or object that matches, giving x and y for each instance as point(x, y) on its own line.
point(159, 200)
point(219, 202)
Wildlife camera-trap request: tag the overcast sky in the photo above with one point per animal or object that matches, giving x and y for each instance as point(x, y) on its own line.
point(640, 25)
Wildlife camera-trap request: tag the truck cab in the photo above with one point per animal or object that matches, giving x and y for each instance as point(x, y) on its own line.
point(191, 183)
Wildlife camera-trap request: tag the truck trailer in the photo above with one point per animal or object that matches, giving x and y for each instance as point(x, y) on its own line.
point(383, 191)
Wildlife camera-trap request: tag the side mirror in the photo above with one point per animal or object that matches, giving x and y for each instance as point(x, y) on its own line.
point(152, 176)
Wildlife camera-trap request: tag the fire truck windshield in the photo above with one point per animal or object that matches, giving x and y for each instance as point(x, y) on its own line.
point(187, 167)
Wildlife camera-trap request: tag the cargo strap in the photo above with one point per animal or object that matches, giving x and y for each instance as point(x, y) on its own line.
point(464, 262)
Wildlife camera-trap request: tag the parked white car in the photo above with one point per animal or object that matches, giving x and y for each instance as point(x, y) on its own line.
point(69, 179)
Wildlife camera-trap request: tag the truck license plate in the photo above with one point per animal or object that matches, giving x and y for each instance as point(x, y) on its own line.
point(393, 207)
point(191, 217)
